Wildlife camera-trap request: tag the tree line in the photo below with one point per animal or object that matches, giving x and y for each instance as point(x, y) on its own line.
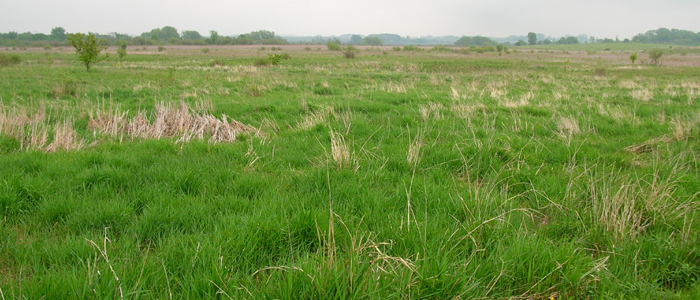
point(170, 35)
point(158, 36)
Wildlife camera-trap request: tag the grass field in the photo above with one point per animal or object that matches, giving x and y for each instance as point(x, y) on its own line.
point(192, 173)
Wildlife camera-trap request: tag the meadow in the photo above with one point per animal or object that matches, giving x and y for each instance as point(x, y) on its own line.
point(192, 173)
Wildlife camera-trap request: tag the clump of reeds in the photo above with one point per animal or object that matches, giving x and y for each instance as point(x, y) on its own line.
point(168, 122)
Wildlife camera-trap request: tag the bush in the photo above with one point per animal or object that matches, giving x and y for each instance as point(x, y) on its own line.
point(217, 63)
point(161, 48)
point(600, 72)
point(261, 62)
point(333, 46)
point(411, 48)
point(121, 53)
point(286, 56)
point(205, 50)
point(633, 57)
point(349, 54)
point(8, 60)
point(396, 48)
point(655, 54)
point(441, 48)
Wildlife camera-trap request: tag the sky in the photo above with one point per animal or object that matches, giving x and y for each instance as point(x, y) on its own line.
point(495, 18)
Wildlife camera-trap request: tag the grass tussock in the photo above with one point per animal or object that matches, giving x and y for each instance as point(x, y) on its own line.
point(567, 127)
point(642, 95)
point(340, 153)
point(169, 121)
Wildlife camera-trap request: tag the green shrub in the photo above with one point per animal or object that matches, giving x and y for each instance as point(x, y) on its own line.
point(600, 71)
point(8, 60)
point(255, 90)
point(333, 46)
point(655, 54)
point(161, 48)
point(261, 62)
point(633, 57)
point(205, 50)
point(274, 59)
point(396, 48)
point(411, 48)
point(441, 48)
point(286, 56)
point(349, 54)
point(121, 53)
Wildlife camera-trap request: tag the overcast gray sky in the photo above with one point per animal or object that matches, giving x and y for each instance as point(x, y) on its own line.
point(495, 18)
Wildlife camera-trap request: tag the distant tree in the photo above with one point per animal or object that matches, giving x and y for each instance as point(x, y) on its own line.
point(474, 41)
point(655, 54)
point(547, 42)
point(669, 36)
point(12, 35)
point(464, 41)
point(213, 37)
point(532, 38)
point(520, 43)
point(170, 33)
point(58, 34)
point(373, 41)
point(191, 35)
point(261, 35)
point(499, 47)
point(633, 57)
point(139, 40)
point(356, 40)
point(87, 48)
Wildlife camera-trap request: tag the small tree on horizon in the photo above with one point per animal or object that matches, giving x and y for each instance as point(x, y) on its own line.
point(87, 48)
point(532, 38)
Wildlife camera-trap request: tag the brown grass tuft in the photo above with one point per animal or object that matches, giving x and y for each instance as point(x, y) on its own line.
point(181, 122)
point(65, 138)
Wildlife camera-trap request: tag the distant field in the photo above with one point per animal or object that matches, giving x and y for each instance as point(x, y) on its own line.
point(193, 173)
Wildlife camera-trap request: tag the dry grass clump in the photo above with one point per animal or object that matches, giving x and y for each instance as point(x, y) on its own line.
point(642, 95)
point(465, 111)
point(31, 129)
point(169, 121)
point(615, 209)
point(523, 101)
point(567, 127)
point(615, 112)
point(314, 118)
point(628, 84)
point(681, 128)
point(339, 151)
point(65, 138)
point(413, 156)
point(398, 88)
point(626, 206)
point(431, 111)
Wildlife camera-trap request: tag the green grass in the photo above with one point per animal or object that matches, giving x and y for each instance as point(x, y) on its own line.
point(406, 175)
